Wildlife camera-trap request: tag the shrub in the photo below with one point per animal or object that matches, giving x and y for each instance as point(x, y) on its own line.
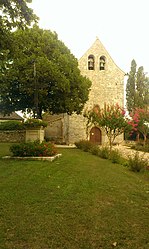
point(115, 156)
point(95, 150)
point(34, 123)
point(104, 152)
point(11, 126)
point(84, 145)
point(137, 163)
point(141, 147)
point(33, 149)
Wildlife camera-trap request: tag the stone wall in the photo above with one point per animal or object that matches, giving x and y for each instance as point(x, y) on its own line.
point(12, 136)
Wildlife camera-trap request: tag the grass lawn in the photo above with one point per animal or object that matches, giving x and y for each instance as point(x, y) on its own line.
point(78, 201)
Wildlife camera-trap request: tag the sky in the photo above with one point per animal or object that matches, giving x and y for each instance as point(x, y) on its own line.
point(121, 25)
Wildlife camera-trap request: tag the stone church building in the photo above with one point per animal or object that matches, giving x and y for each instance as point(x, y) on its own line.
point(107, 87)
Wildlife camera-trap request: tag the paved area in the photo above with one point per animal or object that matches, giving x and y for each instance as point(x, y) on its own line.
point(127, 151)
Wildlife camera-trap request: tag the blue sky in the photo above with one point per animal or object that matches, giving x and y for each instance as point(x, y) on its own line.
point(121, 25)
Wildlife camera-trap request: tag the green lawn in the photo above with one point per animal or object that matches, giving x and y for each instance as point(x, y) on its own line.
point(78, 201)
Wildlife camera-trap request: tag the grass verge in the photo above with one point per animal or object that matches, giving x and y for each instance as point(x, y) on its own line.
point(78, 201)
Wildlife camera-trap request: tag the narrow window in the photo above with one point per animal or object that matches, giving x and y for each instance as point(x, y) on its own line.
point(91, 62)
point(102, 63)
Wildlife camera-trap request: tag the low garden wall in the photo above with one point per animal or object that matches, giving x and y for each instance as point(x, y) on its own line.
point(12, 136)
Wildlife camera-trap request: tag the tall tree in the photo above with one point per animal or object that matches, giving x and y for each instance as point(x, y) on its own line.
point(142, 88)
point(130, 87)
point(42, 75)
point(13, 14)
point(137, 88)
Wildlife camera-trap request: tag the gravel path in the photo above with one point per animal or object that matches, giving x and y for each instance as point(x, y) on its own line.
point(127, 151)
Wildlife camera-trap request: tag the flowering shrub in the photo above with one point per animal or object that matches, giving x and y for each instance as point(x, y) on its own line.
point(33, 149)
point(140, 122)
point(34, 123)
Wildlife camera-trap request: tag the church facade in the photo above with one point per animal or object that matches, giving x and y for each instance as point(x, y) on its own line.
point(107, 87)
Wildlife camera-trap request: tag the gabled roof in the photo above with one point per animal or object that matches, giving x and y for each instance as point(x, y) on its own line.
point(100, 49)
point(12, 116)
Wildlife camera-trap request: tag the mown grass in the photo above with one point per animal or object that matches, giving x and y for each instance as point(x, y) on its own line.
point(78, 201)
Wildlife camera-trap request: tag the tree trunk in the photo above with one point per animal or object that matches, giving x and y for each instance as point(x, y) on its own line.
point(145, 138)
point(138, 137)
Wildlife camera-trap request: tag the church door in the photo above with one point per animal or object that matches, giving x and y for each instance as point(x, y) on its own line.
point(95, 135)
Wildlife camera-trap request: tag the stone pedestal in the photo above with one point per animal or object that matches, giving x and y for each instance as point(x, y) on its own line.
point(34, 134)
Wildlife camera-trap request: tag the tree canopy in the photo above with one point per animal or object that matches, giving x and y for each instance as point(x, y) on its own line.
point(140, 122)
point(42, 75)
point(137, 88)
point(13, 14)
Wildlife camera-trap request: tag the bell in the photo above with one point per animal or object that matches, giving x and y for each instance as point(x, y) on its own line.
point(91, 63)
point(101, 64)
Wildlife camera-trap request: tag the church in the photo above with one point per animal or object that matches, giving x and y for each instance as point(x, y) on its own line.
point(107, 87)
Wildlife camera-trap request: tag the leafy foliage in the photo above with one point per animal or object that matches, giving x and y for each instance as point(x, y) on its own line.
point(11, 125)
point(140, 121)
point(105, 152)
point(130, 87)
point(43, 75)
point(33, 149)
point(16, 13)
point(115, 156)
point(137, 163)
point(101, 151)
point(84, 145)
point(137, 88)
point(34, 123)
point(141, 147)
point(13, 14)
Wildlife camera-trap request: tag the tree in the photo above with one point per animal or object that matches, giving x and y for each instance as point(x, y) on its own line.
point(13, 14)
point(111, 118)
point(137, 88)
point(130, 87)
point(42, 75)
point(140, 122)
point(142, 89)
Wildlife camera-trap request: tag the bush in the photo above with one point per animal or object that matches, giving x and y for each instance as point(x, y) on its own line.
point(137, 163)
point(11, 126)
point(34, 123)
point(84, 145)
point(115, 156)
point(33, 149)
point(95, 150)
point(141, 147)
point(104, 152)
